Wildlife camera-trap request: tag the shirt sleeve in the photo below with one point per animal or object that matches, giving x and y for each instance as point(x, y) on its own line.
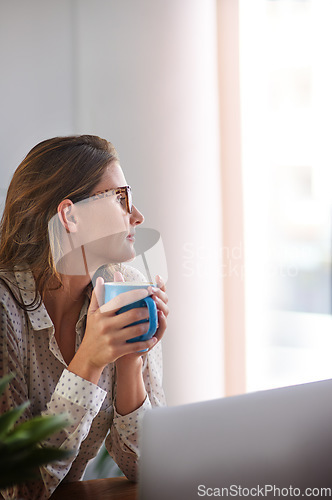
point(122, 441)
point(80, 399)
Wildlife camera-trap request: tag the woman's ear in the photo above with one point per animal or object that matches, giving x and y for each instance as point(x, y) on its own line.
point(66, 213)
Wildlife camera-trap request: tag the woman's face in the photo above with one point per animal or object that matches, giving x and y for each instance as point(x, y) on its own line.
point(104, 226)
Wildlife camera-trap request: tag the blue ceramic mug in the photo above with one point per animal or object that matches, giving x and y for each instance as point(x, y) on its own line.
point(115, 288)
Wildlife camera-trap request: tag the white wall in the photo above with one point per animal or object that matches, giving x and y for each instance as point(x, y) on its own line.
point(143, 75)
point(36, 83)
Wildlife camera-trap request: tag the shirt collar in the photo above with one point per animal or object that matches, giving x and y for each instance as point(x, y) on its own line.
point(39, 318)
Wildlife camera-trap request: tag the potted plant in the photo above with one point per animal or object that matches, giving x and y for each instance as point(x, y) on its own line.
point(21, 452)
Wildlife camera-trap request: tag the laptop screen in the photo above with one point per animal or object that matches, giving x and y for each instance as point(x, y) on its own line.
point(279, 439)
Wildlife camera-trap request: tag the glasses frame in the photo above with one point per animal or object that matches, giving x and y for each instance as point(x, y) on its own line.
point(109, 192)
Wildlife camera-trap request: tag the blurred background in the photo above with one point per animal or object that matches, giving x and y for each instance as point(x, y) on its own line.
point(221, 113)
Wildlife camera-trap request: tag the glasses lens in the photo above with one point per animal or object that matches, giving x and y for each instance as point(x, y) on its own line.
point(130, 200)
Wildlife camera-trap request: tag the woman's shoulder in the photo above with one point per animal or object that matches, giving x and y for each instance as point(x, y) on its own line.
point(8, 285)
point(9, 291)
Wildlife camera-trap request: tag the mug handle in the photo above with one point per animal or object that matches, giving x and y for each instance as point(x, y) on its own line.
point(153, 318)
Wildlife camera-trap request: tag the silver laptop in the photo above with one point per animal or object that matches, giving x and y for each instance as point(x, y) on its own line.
point(254, 445)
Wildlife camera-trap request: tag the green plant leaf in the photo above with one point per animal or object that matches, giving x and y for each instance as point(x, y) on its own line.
point(32, 457)
point(8, 419)
point(20, 450)
point(35, 430)
point(25, 465)
point(4, 381)
point(13, 477)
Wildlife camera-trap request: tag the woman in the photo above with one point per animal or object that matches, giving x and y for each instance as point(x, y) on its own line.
point(66, 353)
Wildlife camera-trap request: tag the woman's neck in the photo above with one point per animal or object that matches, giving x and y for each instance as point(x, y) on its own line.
point(66, 302)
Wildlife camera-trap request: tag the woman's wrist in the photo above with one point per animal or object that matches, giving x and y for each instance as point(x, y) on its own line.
point(84, 369)
point(129, 363)
point(130, 388)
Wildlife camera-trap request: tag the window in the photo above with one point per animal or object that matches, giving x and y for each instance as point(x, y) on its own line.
point(286, 117)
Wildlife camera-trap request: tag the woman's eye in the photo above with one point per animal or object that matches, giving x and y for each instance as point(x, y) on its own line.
point(121, 199)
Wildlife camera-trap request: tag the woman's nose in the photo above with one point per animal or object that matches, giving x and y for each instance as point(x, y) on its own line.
point(136, 217)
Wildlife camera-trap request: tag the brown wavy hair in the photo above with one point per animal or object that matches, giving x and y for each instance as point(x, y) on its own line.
point(55, 169)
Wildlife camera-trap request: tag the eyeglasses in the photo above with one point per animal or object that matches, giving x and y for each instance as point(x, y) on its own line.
point(126, 200)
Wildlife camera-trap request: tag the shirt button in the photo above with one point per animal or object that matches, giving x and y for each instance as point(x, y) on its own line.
point(123, 426)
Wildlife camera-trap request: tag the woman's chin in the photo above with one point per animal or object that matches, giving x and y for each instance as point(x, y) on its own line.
point(96, 259)
point(129, 255)
point(126, 256)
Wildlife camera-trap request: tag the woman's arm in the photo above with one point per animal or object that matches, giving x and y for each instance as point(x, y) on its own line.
point(68, 397)
point(139, 378)
point(122, 441)
point(131, 391)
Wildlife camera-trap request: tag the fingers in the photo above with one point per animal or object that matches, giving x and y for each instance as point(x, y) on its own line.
point(138, 347)
point(159, 334)
point(161, 299)
point(121, 327)
point(159, 293)
point(161, 306)
point(160, 283)
point(120, 336)
point(124, 348)
point(130, 332)
point(162, 326)
point(135, 331)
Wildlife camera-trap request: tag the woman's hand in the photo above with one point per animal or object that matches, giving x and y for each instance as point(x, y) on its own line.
point(161, 299)
point(105, 337)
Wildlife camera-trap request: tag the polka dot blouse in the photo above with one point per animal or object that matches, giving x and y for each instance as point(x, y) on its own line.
point(29, 348)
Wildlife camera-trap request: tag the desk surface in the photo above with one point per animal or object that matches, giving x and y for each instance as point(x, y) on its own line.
point(114, 488)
